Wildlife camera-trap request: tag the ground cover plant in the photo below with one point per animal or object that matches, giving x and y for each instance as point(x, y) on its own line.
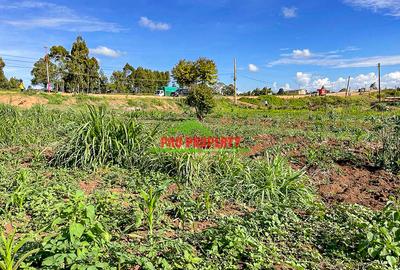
point(82, 187)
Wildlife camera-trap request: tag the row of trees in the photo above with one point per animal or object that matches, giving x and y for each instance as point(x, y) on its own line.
point(139, 80)
point(12, 83)
point(75, 71)
point(72, 71)
point(258, 92)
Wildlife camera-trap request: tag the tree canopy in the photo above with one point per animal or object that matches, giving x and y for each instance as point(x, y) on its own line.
point(202, 71)
point(76, 71)
point(4, 82)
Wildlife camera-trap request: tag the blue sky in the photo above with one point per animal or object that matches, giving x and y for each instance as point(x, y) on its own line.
point(290, 44)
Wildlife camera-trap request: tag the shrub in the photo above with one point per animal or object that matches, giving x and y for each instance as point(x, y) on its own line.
point(389, 155)
point(105, 140)
point(201, 98)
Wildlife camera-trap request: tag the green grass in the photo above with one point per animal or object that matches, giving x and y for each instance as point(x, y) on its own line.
point(54, 99)
point(86, 183)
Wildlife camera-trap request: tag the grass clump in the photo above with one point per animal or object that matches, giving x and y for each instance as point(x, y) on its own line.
point(389, 155)
point(105, 140)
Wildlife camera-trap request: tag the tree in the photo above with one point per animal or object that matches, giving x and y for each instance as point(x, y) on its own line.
point(206, 71)
point(39, 72)
point(185, 73)
point(228, 90)
point(201, 98)
point(78, 65)
point(13, 83)
point(117, 81)
point(3, 79)
point(203, 71)
point(59, 56)
point(281, 91)
point(93, 75)
point(103, 80)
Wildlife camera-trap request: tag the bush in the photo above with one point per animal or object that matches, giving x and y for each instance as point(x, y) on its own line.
point(201, 98)
point(105, 140)
point(389, 156)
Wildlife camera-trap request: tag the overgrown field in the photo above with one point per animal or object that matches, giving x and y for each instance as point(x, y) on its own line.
point(86, 187)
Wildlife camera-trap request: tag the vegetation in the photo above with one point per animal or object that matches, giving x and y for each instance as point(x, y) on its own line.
point(203, 71)
point(74, 71)
point(87, 187)
point(4, 82)
point(201, 98)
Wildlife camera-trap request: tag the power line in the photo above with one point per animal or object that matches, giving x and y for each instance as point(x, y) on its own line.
point(15, 60)
point(254, 79)
point(16, 56)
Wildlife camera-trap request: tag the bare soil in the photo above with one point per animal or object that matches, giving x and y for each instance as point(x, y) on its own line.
point(356, 185)
point(22, 100)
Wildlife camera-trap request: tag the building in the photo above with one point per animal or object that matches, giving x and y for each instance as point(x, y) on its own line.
point(296, 92)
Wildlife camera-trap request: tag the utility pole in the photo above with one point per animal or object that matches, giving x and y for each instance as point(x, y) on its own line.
point(379, 82)
point(348, 87)
point(47, 69)
point(234, 78)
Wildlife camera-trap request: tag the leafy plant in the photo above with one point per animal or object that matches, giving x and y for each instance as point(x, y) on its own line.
point(12, 254)
point(79, 241)
point(382, 236)
point(149, 205)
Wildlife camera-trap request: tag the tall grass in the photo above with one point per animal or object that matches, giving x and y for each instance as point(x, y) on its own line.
point(269, 180)
point(105, 140)
point(389, 155)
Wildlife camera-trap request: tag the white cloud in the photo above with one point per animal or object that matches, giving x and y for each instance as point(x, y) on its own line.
point(102, 50)
point(253, 68)
point(387, 7)
point(303, 79)
point(333, 59)
point(289, 12)
point(48, 15)
point(286, 86)
point(391, 80)
point(152, 25)
point(275, 86)
point(301, 53)
point(393, 76)
point(312, 82)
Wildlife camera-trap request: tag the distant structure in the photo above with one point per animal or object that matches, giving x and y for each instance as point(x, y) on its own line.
point(296, 92)
point(323, 91)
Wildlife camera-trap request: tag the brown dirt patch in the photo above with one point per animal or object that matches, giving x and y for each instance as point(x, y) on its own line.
point(356, 185)
point(22, 101)
point(264, 142)
point(88, 187)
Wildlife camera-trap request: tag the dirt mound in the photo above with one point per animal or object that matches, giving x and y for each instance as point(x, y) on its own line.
point(361, 185)
point(22, 101)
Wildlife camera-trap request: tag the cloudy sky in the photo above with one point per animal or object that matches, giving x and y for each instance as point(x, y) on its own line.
point(291, 44)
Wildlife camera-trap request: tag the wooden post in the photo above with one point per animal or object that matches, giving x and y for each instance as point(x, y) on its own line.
point(348, 87)
point(47, 70)
point(234, 78)
point(379, 82)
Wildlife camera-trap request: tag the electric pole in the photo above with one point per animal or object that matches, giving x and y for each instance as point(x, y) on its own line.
point(234, 78)
point(47, 69)
point(348, 87)
point(379, 82)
